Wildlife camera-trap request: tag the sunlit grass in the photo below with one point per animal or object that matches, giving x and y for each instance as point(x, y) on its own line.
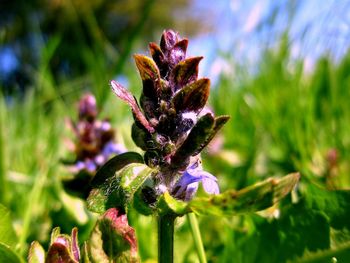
point(282, 121)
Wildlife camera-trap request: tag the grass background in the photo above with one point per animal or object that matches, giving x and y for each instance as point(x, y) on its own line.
point(282, 120)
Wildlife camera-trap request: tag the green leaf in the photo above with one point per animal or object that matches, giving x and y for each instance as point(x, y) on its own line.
point(7, 233)
point(97, 200)
point(250, 199)
point(169, 205)
point(78, 185)
point(285, 238)
point(8, 255)
point(150, 75)
point(112, 239)
point(118, 190)
point(219, 123)
point(139, 202)
point(193, 96)
point(85, 253)
point(140, 136)
point(197, 136)
point(55, 233)
point(36, 253)
point(113, 165)
point(147, 67)
point(340, 253)
point(185, 72)
point(313, 230)
point(336, 204)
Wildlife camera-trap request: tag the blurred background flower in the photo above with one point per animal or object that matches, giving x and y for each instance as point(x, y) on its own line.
point(94, 144)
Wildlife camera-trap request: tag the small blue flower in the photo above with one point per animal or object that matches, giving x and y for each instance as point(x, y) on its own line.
point(112, 148)
point(109, 149)
point(90, 166)
point(105, 126)
point(93, 163)
point(187, 186)
point(80, 165)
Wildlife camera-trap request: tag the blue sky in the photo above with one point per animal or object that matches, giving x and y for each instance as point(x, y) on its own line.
point(242, 29)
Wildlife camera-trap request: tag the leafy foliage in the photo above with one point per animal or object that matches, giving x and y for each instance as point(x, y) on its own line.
point(8, 255)
point(8, 238)
point(115, 164)
point(112, 239)
point(118, 190)
point(251, 199)
point(7, 233)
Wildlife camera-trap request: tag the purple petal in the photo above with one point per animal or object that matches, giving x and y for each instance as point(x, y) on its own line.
point(187, 186)
point(210, 185)
point(187, 178)
point(90, 166)
point(112, 148)
point(191, 191)
point(106, 126)
point(80, 165)
point(184, 182)
point(62, 240)
point(209, 181)
point(75, 246)
point(100, 159)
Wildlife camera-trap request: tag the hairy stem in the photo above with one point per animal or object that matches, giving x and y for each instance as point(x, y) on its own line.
point(197, 237)
point(166, 239)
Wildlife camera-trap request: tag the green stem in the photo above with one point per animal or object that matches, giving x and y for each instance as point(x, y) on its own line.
point(197, 237)
point(33, 202)
point(166, 239)
point(2, 152)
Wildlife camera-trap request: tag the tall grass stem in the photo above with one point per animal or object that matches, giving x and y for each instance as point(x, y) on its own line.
point(2, 152)
point(192, 219)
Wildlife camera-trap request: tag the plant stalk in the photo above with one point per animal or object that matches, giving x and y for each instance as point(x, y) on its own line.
point(197, 237)
point(166, 238)
point(2, 152)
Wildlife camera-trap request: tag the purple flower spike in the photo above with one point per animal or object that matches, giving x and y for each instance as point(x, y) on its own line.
point(187, 186)
point(95, 139)
point(171, 123)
